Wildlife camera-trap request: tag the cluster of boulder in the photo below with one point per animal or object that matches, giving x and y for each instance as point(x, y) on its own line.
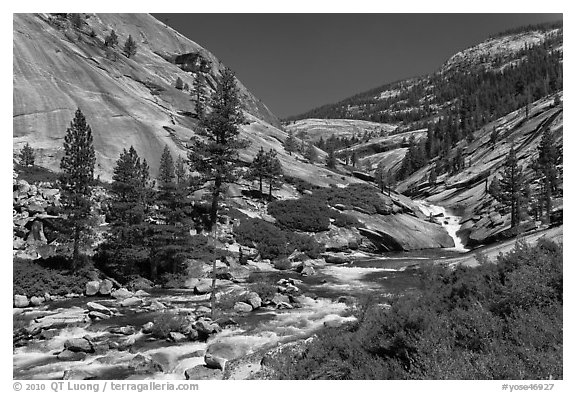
point(29, 216)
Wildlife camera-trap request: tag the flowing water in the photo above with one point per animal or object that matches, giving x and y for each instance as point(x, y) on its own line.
point(377, 276)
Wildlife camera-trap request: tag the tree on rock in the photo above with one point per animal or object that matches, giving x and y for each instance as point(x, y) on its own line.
point(215, 156)
point(273, 171)
point(331, 159)
point(27, 156)
point(179, 84)
point(512, 187)
point(111, 40)
point(130, 47)
point(311, 154)
point(290, 143)
point(258, 168)
point(548, 158)
point(77, 178)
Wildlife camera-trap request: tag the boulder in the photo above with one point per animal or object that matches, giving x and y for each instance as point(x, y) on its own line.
point(284, 306)
point(307, 271)
point(36, 233)
point(78, 345)
point(79, 375)
point(242, 307)
point(94, 306)
point(155, 305)
point(141, 293)
point(121, 294)
point(131, 302)
point(278, 299)
point(21, 301)
point(98, 315)
point(254, 300)
point(37, 300)
point(226, 321)
point(106, 287)
point(176, 337)
point(147, 327)
point(239, 273)
point(335, 258)
point(70, 356)
point(126, 330)
point(220, 352)
point(100, 348)
point(205, 327)
point(140, 283)
point(35, 208)
point(202, 373)
point(92, 288)
point(143, 364)
point(203, 287)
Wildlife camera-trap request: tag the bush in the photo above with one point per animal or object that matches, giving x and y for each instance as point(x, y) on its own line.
point(32, 279)
point(363, 196)
point(168, 322)
point(265, 289)
point(282, 264)
point(496, 321)
point(271, 241)
point(304, 214)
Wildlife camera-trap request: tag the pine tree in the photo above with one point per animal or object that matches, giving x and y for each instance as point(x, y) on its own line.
point(273, 171)
point(354, 158)
point(200, 95)
point(215, 156)
point(27, 157)
point(179, 83)
point(494, 137)
point(433, 176)
point(380, 176)
point(290, 143)
point(130, 47)
point(76, 20)
point(311, 154)
point(180, 171)
point(126, 248)
point(111, 40)
point(258, 168)
point(513, 187)
point(548, 158)
point(166, 172)
point(77, 178)
point(331, 160)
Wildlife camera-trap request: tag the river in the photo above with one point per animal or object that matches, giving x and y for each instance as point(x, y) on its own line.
point(328, 294)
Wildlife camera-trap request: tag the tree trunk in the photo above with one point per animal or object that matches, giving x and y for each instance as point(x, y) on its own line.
point(76, 252)
point(270, 191)
point(213, 293)
point(215, 196)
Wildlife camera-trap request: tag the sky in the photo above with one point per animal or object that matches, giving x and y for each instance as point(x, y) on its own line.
point(296, 62)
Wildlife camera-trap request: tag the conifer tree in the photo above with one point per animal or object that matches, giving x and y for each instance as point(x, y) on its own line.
point(548, 158)
point(179, 83)
point(180, 171)
point(130, 47)
point(111, 40)
point(331, 159)
point(273, 171)
point(215, 156)
point(166, 172)
point(290, 143)
point(27, 156)
point(494, 137)
point(311, 154)
point(512, 187)
point(199, 92)
point(258, 168)
point(77, 178)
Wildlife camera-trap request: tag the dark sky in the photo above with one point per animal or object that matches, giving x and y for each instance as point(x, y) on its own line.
point(295, 62)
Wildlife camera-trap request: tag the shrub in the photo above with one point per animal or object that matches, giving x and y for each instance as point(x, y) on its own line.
point(32, 279)
point(265, 289)
point(273, 242)
point(304, 214)
point(282, 264)
point(496, 321)
point(363, 196)
point(168, 322)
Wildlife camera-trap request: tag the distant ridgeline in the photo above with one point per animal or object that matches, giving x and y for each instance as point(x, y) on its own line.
point(493, 85)
point(473, 88)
